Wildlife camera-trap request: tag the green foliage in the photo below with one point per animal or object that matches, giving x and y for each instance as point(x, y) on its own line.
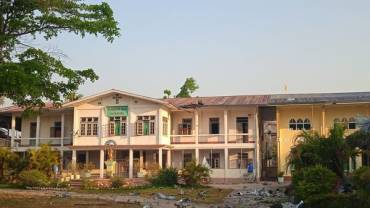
point(165, 177)
point(31, 76)
point(361, 179)
point(116, 182)
point(313, 181)
point(33, 178)
point(188, 88)
point(7, 157)
point(43, 159)
point(333, 200)
point(58, 184)
point(331, 152)
point(167, 93)
point(194, 174)
point(359, 139)
point(88, 184)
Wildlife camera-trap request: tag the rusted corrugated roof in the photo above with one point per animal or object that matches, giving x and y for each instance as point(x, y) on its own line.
point(220, 101)
point(18, 109)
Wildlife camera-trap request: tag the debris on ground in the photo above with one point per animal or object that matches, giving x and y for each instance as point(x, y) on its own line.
point(202, 194)
point(160, 195)
point(291, 205)
point(183, 203)
point(64, 195)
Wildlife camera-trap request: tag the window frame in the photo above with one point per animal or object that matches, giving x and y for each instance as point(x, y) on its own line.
point(214, 121)
point(143, 121)
point(89, 126)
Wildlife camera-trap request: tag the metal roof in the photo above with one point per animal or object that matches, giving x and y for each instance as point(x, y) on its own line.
point(312, 98)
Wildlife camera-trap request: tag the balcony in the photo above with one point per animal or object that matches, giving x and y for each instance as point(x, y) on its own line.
point(211, 139)
point(31, 142)
point(240, 138)
point(182, 139)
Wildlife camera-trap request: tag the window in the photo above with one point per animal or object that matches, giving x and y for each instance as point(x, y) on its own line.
point(351, 123)
point(299, 124)
point(56, 130)
point(188, 157)
point(242, 125)
point(238, 159)
point(145, 125)
point(185, 127)
point(165, 126)
point(89, 126)
point(214, 125)
point(214, 160)
point(117, 126)
point(33, 127)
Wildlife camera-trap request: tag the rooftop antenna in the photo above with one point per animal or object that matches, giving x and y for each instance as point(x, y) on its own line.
point(285, 88)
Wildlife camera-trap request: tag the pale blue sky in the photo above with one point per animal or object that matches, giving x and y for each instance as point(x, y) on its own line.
point(230, 47)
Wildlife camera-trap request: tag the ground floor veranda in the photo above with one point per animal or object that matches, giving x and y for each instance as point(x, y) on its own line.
point(227, 164)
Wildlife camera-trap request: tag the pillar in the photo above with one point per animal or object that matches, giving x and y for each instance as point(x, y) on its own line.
point(197, 156)
point(101, 165)
point(12, 131)
point(131, 164)
point(74, 159)
point(160, 159)
point(87, 157)
point(37, 130)
point(226, 157)
point(62, 130)
point(196, 118)
point(169, 158)
point(141, 160)
point(257, 149)
point(225, 127)
point(323, 128)
point(61, 160)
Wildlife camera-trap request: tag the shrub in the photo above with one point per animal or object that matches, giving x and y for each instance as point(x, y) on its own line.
point(194, 174)
point(33, 178)
point(88, 184)
point(313, 181)
point(116, 182)
point(333, 200)
point(361, 179)
point(165, 177)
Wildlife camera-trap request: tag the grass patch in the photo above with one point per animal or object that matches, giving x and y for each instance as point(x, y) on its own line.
point(10, 186)
point(213, 195)
point(24, 201)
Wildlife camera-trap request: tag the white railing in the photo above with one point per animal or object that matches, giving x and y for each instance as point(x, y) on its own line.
point(32, 142)
point(182, 139)
point(211, 138)
point(240, 138)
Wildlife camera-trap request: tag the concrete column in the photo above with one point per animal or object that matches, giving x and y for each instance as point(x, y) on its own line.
point(323, 127)
point(141, 160)
point(158, 130)
point(226, 154)
point(131, 164)
point(74, 159)
point(169, 158)
point(61, 160)
point(12, 131)
point(62, 130)
point(196, 121)
point(101, 165)
point(257, 148)
point(87, 157)
point(197, 156)
point(226, 130)
point(37, 130)
point(160, 159)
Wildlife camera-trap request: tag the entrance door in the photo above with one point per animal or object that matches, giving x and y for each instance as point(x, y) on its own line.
point(269, 151)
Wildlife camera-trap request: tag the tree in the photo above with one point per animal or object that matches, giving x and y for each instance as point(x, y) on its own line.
point(6, 157)
point(194, 174)
point(167, 93)
point(28, 75)
point(43, 159)
point(72, 96)
point(188, 88)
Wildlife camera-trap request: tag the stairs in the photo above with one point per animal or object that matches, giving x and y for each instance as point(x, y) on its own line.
point(76, 184)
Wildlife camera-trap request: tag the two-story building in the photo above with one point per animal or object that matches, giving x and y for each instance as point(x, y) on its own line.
point(224, 132)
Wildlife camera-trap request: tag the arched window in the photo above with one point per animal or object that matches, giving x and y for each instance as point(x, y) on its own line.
point(292, 124)
point(306, 124)
point(352, 123)
point(299, 124)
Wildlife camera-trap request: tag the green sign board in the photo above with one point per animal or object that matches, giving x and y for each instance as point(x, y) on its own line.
point(112, 111)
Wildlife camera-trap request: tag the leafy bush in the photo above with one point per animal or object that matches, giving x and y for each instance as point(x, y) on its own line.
point(165, 177)
point(88, 184)
point(313, 181)
point(361, 179)
point(58, 184)
point(33, 178)
point(43, 159)
point(194, 174)
point(333, 200)
point(116, 182)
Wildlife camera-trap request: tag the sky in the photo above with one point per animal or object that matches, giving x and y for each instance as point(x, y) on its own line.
point(230, 47)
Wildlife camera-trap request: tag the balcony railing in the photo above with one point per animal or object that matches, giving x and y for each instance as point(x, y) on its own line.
point(211, 139)
point(182, 139)
point(4, 142)
point(240, 138)
point(31, 142)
